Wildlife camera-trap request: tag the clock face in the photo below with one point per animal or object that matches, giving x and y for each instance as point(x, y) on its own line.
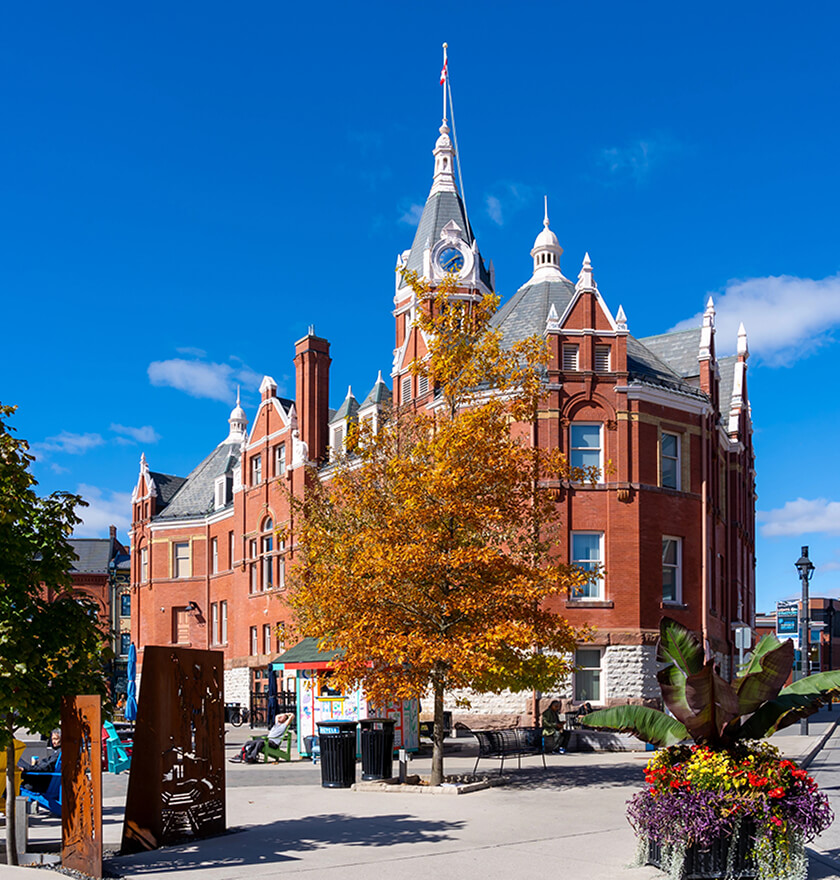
point(451, 260)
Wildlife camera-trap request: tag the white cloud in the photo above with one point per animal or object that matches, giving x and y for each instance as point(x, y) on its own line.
point(195, 352)
point(146, 434)
point(66, 441)
point(494, 210)
point(203, 378)
point(509, 197)
point(412, 216)
point(801, 517)
point(634, 160)
point(780, 313)
point(106, 508)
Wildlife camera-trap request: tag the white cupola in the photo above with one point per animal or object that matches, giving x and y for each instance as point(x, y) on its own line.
point(444, 153)
point(546, 253)
point(238, 422)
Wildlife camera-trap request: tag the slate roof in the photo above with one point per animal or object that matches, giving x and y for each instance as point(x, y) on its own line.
point(380, 393)
point(347, 410)
point(726, 366)
point(196, 494)
point(94, 555)
point(306, 651)
point(167, 486)
point(525, 313)
point(679, 350)
point(439, 209)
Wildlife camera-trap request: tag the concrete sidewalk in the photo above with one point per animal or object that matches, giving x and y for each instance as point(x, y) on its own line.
point(570, 816)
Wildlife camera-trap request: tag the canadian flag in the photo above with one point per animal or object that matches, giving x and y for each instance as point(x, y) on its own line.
point(444, 71)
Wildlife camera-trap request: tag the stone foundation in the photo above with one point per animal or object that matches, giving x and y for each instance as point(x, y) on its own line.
point(238, 686)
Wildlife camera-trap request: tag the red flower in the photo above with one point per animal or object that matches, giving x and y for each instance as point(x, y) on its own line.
point(798, 773)
point(776, 821)
point(776, 793)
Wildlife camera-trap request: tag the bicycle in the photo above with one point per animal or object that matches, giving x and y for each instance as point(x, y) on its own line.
point(238, 715)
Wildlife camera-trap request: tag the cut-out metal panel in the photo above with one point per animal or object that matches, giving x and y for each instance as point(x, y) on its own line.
point(81, 783)
point(176, 786)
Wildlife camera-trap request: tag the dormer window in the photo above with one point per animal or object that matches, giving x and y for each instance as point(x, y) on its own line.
point(222, 491)
point(337, 445)
point(406, 389)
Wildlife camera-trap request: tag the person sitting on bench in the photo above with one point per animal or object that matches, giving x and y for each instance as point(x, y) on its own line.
point(555, 738)
point(253, 748)
point(35, 776)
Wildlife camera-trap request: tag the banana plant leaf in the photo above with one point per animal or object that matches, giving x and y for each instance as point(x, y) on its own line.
point(765, 675)
point(713, 703)
point(797, 701)
point(679, 646)
point(649, 725)
point(672, 685)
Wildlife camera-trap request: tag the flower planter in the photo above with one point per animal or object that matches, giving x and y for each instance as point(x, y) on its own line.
point(713, 862)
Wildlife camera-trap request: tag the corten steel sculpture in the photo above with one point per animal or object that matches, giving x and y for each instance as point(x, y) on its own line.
point(176, 786)
point(81, 783)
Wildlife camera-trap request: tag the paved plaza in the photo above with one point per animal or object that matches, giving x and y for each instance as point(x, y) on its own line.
point(566, 820)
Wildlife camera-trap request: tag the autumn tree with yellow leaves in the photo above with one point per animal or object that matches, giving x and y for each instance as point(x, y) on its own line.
point(425, 552)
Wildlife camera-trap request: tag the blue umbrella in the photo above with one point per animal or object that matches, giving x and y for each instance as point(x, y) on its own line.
point(272, 709)
point(131, 695)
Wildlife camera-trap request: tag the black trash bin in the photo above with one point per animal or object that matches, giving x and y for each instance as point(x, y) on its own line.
point(377, 747)
point(338, 753)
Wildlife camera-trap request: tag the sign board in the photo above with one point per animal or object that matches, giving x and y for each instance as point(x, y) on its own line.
point(787, 620)
point(743, 637)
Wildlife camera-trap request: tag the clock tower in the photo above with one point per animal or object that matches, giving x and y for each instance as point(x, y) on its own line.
point(443, 245)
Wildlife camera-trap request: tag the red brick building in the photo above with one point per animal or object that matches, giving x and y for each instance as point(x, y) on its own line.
point(102, 572)
point(670, 526)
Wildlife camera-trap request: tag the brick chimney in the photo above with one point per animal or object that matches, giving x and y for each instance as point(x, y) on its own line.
point(312, 369)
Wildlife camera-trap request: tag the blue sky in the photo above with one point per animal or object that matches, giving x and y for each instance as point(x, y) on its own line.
point(186, 187)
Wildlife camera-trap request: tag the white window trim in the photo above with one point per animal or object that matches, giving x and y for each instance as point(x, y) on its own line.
point(601, 594)
point(214, 556)
point(574, 351)
point(678, 438)
point(603, 679)
point(214, 623)
point(678, 598)
point(223, 622)
point(600, 427)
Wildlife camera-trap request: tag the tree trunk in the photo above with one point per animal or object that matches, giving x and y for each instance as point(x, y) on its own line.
point(437, 735)
point(11, 840)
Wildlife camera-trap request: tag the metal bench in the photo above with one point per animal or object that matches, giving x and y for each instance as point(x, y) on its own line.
point(508, 743)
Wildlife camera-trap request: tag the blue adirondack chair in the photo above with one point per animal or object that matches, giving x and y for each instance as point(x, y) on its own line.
point(118, 757)
point(51, 798)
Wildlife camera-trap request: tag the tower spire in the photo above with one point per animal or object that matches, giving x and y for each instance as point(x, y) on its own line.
point(545, 219)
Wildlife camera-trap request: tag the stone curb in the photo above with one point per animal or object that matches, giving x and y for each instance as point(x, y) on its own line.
point(816, 749)
point(450, 789)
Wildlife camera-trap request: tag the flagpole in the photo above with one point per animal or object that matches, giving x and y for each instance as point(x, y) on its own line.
point(448, 87)
point(444, 77)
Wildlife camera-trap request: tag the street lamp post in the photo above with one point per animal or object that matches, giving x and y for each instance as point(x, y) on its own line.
point(806, 571)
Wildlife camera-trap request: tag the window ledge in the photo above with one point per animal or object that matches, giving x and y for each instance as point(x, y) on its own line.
point(680, 606)
point(590, 603)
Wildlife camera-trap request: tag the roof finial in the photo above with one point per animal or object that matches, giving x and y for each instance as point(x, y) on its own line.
point(743, 346)
point(237, 395)
point(621, 318)
point(545, 220)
